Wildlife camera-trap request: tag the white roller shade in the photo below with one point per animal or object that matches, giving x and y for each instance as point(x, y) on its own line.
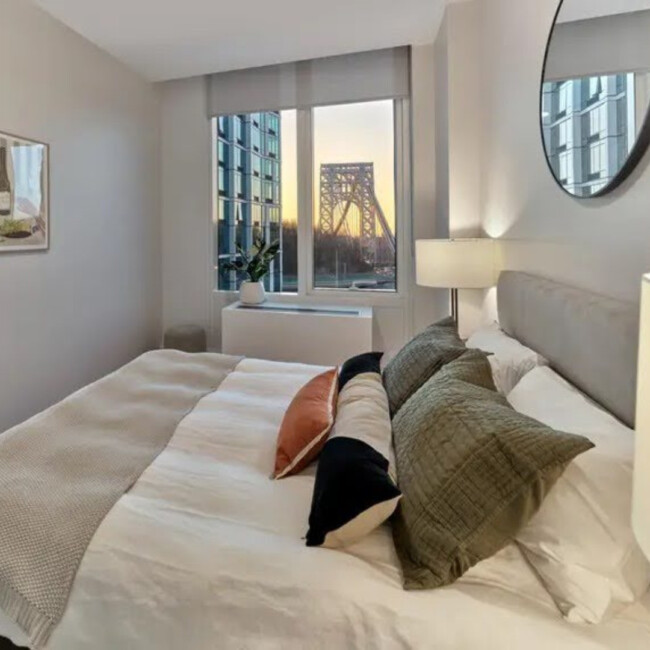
point(367, 76)
point(608, 45)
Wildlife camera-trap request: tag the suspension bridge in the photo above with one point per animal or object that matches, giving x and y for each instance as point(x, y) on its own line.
point(349, 207)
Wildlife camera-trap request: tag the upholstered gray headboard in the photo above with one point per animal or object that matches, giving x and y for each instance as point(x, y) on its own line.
point(589, 339)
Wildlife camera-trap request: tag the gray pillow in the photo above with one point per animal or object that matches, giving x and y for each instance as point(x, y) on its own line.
point(419, 359)
point(472, 472)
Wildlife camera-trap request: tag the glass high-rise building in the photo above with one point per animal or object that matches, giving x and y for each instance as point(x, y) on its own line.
point(249, 190)
point(589, 129)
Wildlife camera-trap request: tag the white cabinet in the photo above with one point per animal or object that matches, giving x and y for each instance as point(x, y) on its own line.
point(307, 334)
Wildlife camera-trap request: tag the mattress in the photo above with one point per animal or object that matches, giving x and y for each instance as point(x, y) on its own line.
point(206, 551)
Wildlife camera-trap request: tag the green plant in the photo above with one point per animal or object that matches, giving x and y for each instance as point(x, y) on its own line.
point(13, 226)
point(255, 263)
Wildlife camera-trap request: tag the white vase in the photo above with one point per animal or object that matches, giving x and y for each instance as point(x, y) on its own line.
point(252, 293)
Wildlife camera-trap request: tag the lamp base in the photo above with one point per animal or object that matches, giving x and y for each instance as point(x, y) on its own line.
point(454, 305)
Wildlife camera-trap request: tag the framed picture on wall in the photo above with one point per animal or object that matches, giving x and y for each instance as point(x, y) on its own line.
point(24, 194)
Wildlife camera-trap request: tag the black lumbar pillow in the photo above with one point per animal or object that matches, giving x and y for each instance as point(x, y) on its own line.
point(368, 362)
point(352, 484)
point(354, 492)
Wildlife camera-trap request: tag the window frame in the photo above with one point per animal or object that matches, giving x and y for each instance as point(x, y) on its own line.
point(404, 253)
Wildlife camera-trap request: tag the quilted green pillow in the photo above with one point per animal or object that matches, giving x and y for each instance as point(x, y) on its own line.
point(472, 472)
point(419, 359)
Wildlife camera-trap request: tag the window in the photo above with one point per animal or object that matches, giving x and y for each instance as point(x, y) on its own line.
point(326, 181)
point(354, 197)
point(238, 127)
point(273, 123)
point(223, 183)
point(256, 217)
point(223, 127)
point(590, 143)
point(565, 135)
point(241, 212)
point(270, 169)
point(563, 98)
point(256, 189)
point(223, 154)
point(268, 192)
point(239, 185)
point(598, 122)
point(272, 146)
point(595, 87)
point(240, 160)
point(229, 231)
point(256, 139)
point(566, 168)
point(597, 160)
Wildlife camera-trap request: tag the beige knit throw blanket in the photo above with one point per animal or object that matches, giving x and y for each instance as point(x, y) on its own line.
point(62, 471)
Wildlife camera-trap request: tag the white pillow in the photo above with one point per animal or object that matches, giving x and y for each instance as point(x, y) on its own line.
point(509, 359)
point(509, 570)
point(581, 541)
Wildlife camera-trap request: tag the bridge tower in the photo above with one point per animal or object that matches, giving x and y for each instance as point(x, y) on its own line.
point(343, 185)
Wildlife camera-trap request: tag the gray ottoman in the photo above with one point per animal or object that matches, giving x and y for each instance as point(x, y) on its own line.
point(187, 338)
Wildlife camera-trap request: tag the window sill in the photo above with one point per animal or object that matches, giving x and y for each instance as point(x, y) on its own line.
point(388, 299)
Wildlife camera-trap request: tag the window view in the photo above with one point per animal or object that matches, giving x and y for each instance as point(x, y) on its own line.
point(590, 128)
point(354, 196)
point(256, 168)
point(257, 187)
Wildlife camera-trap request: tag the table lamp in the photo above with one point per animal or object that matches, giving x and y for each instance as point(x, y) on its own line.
point(456, 264)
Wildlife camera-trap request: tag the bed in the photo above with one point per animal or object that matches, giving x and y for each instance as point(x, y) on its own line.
point(205, 551)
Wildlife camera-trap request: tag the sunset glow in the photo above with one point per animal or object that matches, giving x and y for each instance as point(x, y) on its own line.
point(350, 133)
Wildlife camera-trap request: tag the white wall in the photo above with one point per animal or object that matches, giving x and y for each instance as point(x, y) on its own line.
point(458, 141)
point(599, 244)
point(464, 96)
point(441, 121)
point(430, 193)
point(92, 302)
point(186, 210)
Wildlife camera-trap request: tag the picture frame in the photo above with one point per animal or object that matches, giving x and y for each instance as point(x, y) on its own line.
point(24, 194)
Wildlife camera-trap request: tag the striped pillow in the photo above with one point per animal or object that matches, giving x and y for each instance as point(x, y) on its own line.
point(354, 492)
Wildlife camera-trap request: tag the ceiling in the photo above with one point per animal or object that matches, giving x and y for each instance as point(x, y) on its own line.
point(162, 39)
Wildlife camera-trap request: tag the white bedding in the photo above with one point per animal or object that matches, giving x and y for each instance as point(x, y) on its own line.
point(205, 553)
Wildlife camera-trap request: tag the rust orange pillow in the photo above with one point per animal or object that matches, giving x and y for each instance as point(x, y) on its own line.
point(306, 424)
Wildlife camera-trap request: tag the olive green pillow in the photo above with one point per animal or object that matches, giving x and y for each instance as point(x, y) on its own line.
point(419, 359)
point(472, 472)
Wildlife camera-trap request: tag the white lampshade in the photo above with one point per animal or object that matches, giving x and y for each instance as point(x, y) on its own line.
point(641, 506)
point(456, 263)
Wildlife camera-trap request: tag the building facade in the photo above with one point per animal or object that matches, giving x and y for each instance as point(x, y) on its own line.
point(248, 184)
point(589, 129)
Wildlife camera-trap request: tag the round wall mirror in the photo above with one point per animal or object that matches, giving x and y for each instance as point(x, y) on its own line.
point(595, 95)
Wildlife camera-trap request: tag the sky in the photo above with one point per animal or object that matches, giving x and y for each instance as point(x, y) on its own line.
point(343, 134)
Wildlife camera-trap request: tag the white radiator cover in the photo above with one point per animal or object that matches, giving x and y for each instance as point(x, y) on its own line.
point(316, 335)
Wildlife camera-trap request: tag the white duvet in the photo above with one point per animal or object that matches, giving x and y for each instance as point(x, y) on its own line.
point(205, 553)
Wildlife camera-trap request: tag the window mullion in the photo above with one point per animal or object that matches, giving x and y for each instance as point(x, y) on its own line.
point(305, 202)
point(404, 226)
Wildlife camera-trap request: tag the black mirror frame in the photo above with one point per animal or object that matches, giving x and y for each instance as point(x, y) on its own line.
point(635, 156)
